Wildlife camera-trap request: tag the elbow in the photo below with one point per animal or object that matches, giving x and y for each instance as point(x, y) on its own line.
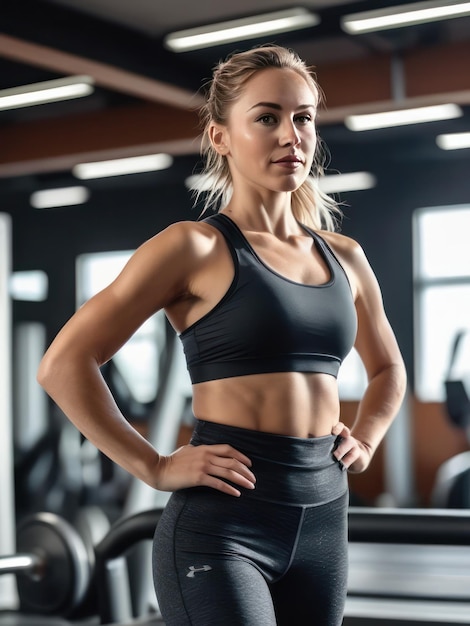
point(398, 381)
point(402, 377)
point(52, 368)
point(63, 365)
point(392, 380)
point(44, 374)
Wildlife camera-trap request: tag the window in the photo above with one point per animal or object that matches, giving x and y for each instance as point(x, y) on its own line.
point(30, 285)
point(352, 377)
point(441, 259)
point(138, 360)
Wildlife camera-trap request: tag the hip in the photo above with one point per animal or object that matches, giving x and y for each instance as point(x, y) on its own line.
point(288, 470)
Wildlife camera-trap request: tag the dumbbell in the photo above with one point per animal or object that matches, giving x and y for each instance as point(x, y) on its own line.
point(52, 566)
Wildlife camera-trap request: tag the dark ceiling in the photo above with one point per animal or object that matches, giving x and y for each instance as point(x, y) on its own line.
point(145, 95)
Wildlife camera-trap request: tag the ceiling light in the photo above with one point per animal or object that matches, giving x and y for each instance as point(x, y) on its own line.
point(404, 15)
point(120, 167)
point(401, 117)
point(65, 196)
point(353, 181)
point(240, 29)
point(453, 141)
point(48, 91)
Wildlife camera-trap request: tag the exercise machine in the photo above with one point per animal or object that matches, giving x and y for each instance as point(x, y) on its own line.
point(452, 485)
point(408, 566)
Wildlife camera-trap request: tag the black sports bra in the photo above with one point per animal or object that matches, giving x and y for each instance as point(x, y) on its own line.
point(268, 323)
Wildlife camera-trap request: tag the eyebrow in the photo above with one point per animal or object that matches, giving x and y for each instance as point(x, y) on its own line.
point(278, 107)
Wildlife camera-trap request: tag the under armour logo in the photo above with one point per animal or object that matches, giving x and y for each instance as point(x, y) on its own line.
point(193, 570)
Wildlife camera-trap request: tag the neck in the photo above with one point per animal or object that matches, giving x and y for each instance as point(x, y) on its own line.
point(272, 214)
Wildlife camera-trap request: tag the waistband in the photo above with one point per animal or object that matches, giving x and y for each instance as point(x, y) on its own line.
point(288, 470)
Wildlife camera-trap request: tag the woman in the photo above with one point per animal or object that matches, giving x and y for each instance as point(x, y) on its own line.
point(267, 308)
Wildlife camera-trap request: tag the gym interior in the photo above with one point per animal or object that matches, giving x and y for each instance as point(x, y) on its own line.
point(74, 526)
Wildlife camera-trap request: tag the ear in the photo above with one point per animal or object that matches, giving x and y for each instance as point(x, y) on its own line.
point(219, 138)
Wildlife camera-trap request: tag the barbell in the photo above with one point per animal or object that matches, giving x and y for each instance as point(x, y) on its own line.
point(52, 565)
point(56, 566)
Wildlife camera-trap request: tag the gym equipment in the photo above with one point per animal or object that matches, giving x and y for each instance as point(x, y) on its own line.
point(451, 489)
point(123, 535)
point(408, 566)
point(457, 400)
point(55, 568)
point(52, 566)
point(452, 485)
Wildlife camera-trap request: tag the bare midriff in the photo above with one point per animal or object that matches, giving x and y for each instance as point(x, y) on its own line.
point(288, 403)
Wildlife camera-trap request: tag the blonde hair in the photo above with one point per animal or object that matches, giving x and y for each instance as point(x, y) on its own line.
point(310, 205)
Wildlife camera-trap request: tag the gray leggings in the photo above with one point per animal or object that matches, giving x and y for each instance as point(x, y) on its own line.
point(276, 555)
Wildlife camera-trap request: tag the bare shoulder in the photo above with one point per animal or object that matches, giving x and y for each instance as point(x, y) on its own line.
point(346, 247)
point(170, 259)
point(179, 248)
point(188, 261)
point(354, 261)
point(349, 252)
point(195, 238)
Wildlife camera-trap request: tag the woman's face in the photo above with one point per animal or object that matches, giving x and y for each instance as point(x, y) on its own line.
point(270, 138)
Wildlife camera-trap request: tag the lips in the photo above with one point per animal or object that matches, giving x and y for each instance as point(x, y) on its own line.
point(289, 159)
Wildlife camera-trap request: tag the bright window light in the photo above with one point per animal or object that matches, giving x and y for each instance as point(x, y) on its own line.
point(120, 167)
point(404, 15)
point(238, 30)
point(432, 228)
point(352, 377)
point(48, 91)
point(402, 117)
point(31, 286)
point(441, 293)
point(453, 141)
point(353, 181)
point(138, 359)
point(65, 196)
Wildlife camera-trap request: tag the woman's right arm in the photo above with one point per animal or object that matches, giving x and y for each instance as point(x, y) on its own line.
point(157, 276)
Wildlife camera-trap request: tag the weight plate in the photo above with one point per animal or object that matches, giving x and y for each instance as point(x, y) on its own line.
point(92, 524)
point(60, 584)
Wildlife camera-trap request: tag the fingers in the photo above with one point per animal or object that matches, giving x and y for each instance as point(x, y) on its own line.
point(222, 463)
point(346, 449)
point(208, 466)
point(340, 429)
point(233, 468)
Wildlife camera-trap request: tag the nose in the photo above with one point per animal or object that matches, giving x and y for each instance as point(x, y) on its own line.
point(289, 133)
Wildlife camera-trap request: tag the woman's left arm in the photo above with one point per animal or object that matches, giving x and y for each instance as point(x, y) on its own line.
point(379, 351)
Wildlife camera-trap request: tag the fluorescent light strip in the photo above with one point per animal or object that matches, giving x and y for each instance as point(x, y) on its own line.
point(404, 15)
point(453, 141)
point(48, 91)
point(64, 196)
point(238, 30)
point(120, 167)
point(402, 117)
point(353, 181)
